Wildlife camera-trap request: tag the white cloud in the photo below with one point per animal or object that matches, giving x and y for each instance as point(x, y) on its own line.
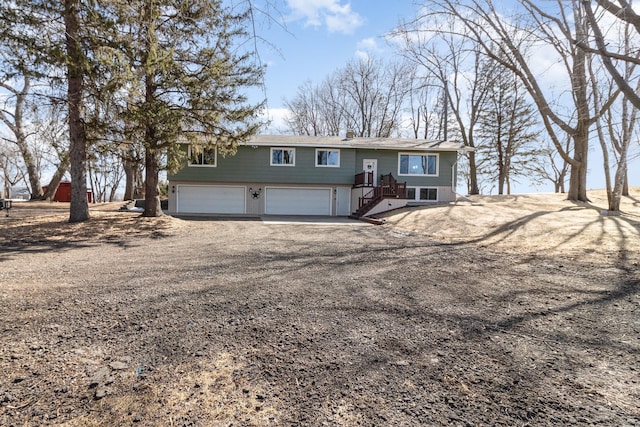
point(366, 47)
point(369, 44)
point(362, 54)
point(337, 17)
point(277, 122)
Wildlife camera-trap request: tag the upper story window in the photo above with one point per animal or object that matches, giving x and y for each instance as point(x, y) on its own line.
point(283, 157)
point(418, 164)
point(204, 156)
point(328, 158)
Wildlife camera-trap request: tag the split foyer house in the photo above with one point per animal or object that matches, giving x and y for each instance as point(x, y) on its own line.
point(303, 175)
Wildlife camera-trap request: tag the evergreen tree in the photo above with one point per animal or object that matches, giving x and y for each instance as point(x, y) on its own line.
point(184, 59)
point(165, 70)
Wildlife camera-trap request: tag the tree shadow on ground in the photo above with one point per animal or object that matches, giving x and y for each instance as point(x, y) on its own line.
point(622, 221)
point(53, 233)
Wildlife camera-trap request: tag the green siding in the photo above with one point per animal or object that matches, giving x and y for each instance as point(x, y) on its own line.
point(388, 163)
point(252, 164)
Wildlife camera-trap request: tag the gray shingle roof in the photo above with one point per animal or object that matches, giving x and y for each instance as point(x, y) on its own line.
point(365, 143)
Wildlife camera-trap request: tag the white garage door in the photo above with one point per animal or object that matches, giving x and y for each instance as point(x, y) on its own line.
point(298, 201)
point(210, 199)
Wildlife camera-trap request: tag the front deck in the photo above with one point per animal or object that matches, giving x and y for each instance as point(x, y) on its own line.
point(388, 187)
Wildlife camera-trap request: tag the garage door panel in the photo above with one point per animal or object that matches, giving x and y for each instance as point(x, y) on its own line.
point(298, 201)
point(211, 199)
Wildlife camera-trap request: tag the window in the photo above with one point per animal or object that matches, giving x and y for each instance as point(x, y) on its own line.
point(429, 194)
point(283, 157)
point(328, 158)
point(418, 164)
point(202, 156)
point(422, 194)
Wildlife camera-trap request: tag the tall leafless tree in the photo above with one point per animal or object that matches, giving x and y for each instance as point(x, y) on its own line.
point(622, 10)
point(457, 63)
point(509, 129)
point(510, 41)
point(367, 96)
point(12, 114)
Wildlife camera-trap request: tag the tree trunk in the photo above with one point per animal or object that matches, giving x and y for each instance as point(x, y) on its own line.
point(619, 180)
point(7, 185)
point(152, 206)
point(32, 172)
point(21, 140)
point(151, 161)
point(578, 177)
point(128, 179)
point(138, 187)
point(79, 208)
point(579, 82)
point(473, 175)
point(112, 193)
point(134, 184)
point(57, 177)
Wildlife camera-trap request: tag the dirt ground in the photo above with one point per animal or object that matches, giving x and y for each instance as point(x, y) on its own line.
point(512, 311)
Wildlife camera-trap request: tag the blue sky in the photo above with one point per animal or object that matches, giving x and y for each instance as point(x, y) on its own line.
point(321, 36)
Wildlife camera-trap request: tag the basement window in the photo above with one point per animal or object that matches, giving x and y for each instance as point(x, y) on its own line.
point(422, 194)
point(429, 194)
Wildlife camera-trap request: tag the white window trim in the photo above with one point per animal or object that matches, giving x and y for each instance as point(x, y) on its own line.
point(282, 164)
point(427, 188)
point(328, 166)
point(437, 156)
point(191, 165)
point(417, 196)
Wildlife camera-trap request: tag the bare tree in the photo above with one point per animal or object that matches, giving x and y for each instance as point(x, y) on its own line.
point(12, 114)
point(509, 42)
point(366, 96)
point(331, 99)
point(306, 111)
point(620, 58)
point(616, 131)
point(622, 11)
point(509, 129)
point(426, 106)
point(10, 163)
point(457, 63)
point(105, 173)
point(375, 94)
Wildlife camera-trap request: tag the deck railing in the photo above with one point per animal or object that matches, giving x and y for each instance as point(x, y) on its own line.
point(388, 187)
point(364, 179)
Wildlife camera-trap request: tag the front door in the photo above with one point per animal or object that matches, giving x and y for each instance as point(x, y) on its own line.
point(370, 165)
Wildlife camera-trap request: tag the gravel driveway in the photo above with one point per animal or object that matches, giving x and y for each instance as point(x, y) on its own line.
point(306, 323)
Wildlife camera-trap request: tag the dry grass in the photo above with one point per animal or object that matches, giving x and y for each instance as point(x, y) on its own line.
point(537, 223)
point(530, 224)
point(45, 223)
